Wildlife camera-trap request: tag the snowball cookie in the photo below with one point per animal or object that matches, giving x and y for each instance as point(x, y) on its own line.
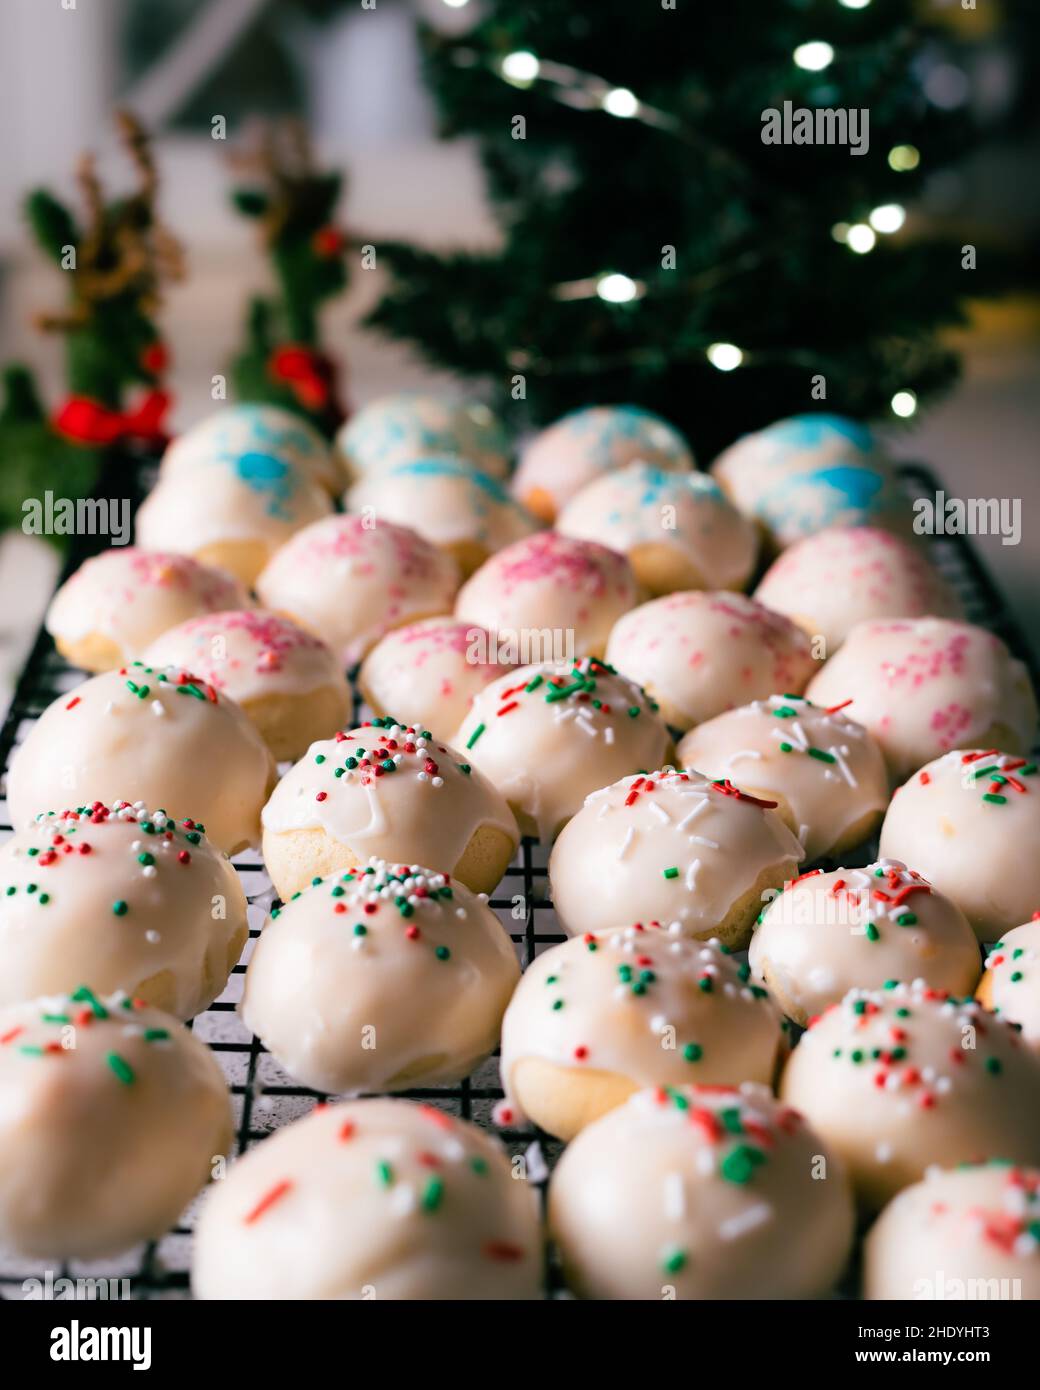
point(551, 584)
point(391, 791)
point(156, 736)
point(412, 424)
point(375, 1199)
point(699, 654)
point(961, 1233)
point(430, 672)
point(587, 443)
point(263, 430)
point(550, 734)
point(925, 685)
point(233, 512)
point(333, 967)
point(452, 504)
point(1011, 984)
point(350, 581)
point(672, 847)
point(829, 582)
point(812, 471)
point(970, 822)
point(126, 897)
point(111, 1115)
point(903, 1077)
point(118, 601)
point(828, 933)
point(287, 681)
point(609, 1013)
point(824, 771)
point(700, 1192)
point(677, 529)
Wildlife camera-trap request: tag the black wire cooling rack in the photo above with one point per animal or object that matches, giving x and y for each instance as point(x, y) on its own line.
point(264, 1097)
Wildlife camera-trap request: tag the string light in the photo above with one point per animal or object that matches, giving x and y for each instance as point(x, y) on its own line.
point(459, 4)
point(889, 217)
point(724, 356)
point(904, 404)
point(619, 101)
point(840, 231)
point(903, 158)
point(520, 68)
point(814, 57)
point(854, 4)
point(617, 289)
point(860, 238)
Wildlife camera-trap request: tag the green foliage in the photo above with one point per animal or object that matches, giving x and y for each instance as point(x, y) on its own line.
point(587, 193)
point(52, 224)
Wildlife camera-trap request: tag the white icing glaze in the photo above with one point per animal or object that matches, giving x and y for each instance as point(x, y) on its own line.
point(151, 735)
point(131, 596)
point(924, 686)
point(411, 424)
point(109, 1124)
point(642, 507)
point(828, 769)
point(646, 1004)
point(118, 897)
point(350, 582)
point(701, 1193)
point(261, 430)
point(844, 575)
point(546, 751)
point(554, 583)
point(898, 1079)
point(428, 673)
point(370, 1199)
point(699, 654)
point(982, 852)
point(828, 933)
point(613, 862)
point(1012, 979)
point(426, 810)
point(326, 981)
point(249, 654)
point(950, 1235)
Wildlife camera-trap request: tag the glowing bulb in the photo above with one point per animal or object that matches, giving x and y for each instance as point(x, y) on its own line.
point(904, 404)
point(840, 231)
point(621, 102)
point(520, 66)
point(860, 239)
point(725, 356)
point(616, 289)
point(903, 158)
point(814, 57)
point(854, 4)
point(889, 217)
point(458, 4)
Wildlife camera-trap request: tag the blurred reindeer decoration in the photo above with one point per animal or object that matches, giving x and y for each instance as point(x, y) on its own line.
point(282, 361)
point(117, 259)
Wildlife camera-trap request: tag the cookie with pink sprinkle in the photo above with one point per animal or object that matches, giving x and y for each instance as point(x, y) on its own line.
point(829, 582)
point(573, 590)
point(923, 686)
point(117, 602)
point(430, 672)
point(699, 653)
point(286, 680)
point(351, 579)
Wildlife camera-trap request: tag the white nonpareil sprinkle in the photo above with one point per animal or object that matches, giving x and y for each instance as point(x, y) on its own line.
point(158, 708)
point(152, 937)
point(883, 1153)
point(700, 840)
point(149, 871)
point(660, 812)
point(749, 1220)
point(626, 843)
point(691, 873)
point(403, 1200)
point(608, 734)
point(693, 813)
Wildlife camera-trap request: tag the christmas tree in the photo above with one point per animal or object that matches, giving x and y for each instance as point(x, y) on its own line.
point(673, 234)
point(293, 202)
